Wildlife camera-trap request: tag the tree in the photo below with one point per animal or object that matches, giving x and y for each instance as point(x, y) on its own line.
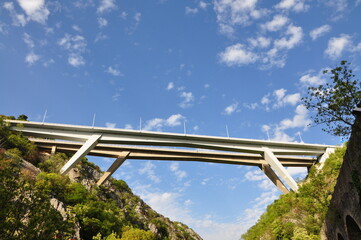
point(26, 212)
point(334, 102)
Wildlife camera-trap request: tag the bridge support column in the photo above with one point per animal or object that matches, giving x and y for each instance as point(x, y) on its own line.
point(324, 156)
point(266, 168)
point(82, 152)
point(272, 160)
point(53, 150)
point(116, 164)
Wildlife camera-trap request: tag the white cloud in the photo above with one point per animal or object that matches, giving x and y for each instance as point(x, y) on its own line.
point(265, 99)
point(28, 41)
point(277, 23)
point(191, 11)
point(261, 42)
point(180, 174)
point(137, 17)
point(148, 169)
point(231, 109)
point(35, 10)
point(76, 28)
point(188, 202)
point(237, 55)
point(48, 62)
point(203, 5)
point(106, 6)
point(295, 34)
point(158, 123)
point(110, 125)
point(170, 86)
point(100, 36)
point(337, 45)
point(251, 106)
point(294, 5)
point(231, 13)
point(297, 171)
point(338, 5)
point(102, 22)
point(205, 181)
point(76, 60)
point(312, 80)
point(31, 58)
point(113, 71)
point(281, 99)
point(320, 31)
point(256, 175)
point(174, 120)
point(171, 205)
point(3, 28)
point(17, 19)
point(128, 126)
point(75, 45)
point(300, 120)
point(124, 15)
point(188, 99)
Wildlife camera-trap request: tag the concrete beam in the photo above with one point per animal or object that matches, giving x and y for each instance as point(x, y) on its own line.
point(266, 168)
point(324, 156)
point(116, 164)
point(53, 150)
point(82, 152)
point(272, 160)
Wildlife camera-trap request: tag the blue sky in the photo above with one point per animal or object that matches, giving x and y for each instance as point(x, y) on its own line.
point(200, 65)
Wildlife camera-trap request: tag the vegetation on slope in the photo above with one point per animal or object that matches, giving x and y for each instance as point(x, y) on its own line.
point(300, 215)
point(45, 205)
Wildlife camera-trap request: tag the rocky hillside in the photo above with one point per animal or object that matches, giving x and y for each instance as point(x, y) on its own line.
point(300, 215)
point(38, 203)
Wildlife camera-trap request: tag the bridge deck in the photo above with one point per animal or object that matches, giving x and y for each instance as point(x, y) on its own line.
point(270, 156)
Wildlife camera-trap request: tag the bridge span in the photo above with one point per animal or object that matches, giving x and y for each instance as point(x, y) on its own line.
point(270, 156)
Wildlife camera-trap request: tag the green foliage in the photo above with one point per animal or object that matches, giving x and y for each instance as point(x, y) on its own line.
point(300, 215)
point(137, 234)
point(54, 163)
point(22, 117)
point(9, 139)
point(334, 102)
point(76, 193)
point(162, 228)
point(98, 217)
point(301, 234)
point(121, 185)
point(25, 211)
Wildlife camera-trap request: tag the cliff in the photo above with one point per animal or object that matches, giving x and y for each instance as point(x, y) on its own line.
point(343, 218)
point(38, 203)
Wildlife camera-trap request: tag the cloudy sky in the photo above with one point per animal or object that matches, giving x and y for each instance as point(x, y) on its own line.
point(198, 66)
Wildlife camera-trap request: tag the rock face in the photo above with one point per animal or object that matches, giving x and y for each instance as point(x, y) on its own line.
point(135, 208)
point(343, 219)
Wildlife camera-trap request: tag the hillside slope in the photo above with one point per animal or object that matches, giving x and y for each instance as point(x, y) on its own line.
point(38, 203)
point(300, 215)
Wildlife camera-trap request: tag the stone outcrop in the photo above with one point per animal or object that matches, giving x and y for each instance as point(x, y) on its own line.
point(343, 219)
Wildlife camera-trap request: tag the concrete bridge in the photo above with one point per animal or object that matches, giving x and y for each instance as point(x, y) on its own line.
point(270, 156)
